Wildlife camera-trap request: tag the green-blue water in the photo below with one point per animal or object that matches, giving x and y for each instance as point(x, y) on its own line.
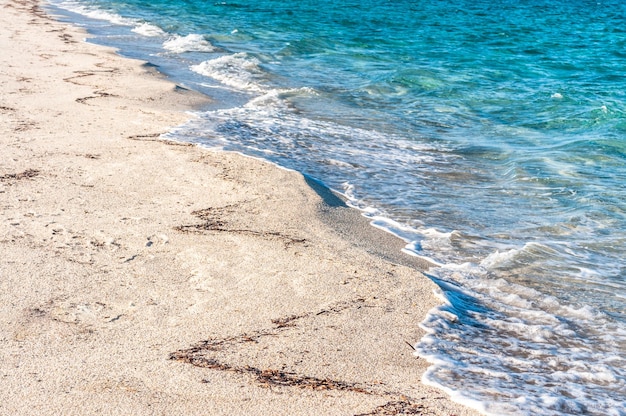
point(489, 135)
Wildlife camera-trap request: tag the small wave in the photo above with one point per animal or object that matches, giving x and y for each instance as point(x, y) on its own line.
point(240, 71)
point(530, 251)
point(271, 101)
point(147, 29)
point(278, 98)
point(190, 43)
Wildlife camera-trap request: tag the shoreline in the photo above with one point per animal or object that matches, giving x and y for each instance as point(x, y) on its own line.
point(142, 276)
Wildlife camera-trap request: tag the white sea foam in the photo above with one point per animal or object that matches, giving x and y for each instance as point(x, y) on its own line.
point(96, 13)
point(241, 71)
point(408, 234)
point(536, 338)
point(190, 43)
point(270, 101)
point(276, 99)
point(498, 258)
point(147, 29)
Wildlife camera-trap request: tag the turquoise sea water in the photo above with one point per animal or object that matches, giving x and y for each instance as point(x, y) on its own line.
point(491, 136)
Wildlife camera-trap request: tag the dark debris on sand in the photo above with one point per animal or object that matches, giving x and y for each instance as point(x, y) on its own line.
point(27, 174)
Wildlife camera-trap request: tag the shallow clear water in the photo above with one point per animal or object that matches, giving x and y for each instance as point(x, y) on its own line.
point(490, 136)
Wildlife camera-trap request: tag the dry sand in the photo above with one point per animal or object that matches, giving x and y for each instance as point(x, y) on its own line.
point(140, 276)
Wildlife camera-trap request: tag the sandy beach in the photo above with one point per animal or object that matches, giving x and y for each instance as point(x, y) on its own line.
point(142, 276)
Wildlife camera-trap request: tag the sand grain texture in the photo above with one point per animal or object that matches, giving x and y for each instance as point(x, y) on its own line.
point(144, 277)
